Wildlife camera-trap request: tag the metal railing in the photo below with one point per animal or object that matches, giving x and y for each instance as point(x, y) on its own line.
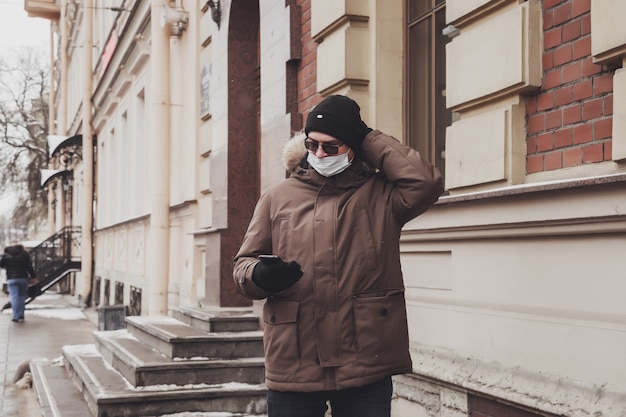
point(53, 259)
point(53, 253)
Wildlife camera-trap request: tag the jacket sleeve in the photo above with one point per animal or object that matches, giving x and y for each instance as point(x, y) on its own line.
point(257, 241)
point(415, 184)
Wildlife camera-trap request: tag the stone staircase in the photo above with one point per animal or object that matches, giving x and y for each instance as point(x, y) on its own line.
point(202, 361)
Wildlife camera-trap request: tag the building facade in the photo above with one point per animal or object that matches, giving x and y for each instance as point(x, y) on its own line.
point(513, 280)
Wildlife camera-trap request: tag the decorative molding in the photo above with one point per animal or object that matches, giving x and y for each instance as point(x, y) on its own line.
point(343, 20)
point(608, 45)
point(562, 227)
point(345, 84)
point(547, 209)
point(489, 7)
point(613, 56)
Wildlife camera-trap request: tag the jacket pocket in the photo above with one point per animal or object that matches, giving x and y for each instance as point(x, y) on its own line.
point(381, 328)
point(282, 352)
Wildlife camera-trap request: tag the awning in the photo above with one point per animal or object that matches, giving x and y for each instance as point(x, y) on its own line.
point(48, 175)
point(57, 142)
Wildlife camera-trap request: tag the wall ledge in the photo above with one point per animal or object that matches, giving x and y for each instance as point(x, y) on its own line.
point(539, 187)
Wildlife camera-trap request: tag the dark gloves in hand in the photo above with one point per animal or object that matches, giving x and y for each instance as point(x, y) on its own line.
point(277, 277)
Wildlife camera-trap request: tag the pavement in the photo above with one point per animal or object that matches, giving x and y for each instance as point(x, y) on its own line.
point(52, 321)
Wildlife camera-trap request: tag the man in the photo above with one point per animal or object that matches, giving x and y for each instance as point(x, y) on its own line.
point(18, 269)
point(335, 318)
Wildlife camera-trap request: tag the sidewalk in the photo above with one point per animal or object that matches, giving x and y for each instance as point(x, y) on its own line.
point(52, 321)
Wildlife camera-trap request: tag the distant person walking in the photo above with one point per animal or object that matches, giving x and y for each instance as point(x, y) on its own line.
point(19, 268)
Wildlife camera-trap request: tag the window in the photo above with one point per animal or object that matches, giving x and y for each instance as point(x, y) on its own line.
point(426, 113)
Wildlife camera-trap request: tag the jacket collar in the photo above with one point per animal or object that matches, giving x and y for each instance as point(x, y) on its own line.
point(294, 159)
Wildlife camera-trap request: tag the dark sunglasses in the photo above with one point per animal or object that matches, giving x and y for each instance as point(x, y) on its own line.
point(313, 145)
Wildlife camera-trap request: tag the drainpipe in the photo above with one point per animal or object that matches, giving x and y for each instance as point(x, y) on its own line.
point(87, 195)
point(62, 114)
point(51, 130)
point(157, 277)
point(62, 122)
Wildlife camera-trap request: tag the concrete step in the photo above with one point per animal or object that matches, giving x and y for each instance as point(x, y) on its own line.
point(57, 395)
point(218, 319)
point(176, 339)
point(108, 393)
point(141, 365)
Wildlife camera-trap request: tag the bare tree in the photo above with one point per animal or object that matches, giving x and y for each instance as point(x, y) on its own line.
point(24, 88)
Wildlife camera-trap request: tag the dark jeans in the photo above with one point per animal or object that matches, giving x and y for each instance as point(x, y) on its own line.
point(373, 400)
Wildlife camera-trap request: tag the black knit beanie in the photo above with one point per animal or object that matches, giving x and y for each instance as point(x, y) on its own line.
point(340, 117)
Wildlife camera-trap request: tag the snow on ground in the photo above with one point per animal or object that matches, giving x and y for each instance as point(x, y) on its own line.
point(39, 308)
point(56, 313)
point(49, 297)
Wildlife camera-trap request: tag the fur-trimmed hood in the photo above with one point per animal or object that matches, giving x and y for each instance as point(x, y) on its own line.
point(294, 151)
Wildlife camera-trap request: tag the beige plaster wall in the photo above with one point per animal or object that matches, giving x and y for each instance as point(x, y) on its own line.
point(205, 131)
point(184, 111)
point(275, 121)
point(120, 255)
point(325, 13)
point(505, 62)
point(185, 260)
point(124, 181)
point(506, 295)
point(120, 124)
point(185, 161)
point(474, 154)
point(608, 40)
point(619, 115)
point(361, 55)
point(218, 92)
point(212, 154)
point(456, 9)
point(485, 145)
point(203, 174)
point(608, 45)
point(386, 60)
point(343, 57)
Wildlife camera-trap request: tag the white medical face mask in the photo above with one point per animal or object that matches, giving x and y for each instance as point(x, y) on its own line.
point(329, 165)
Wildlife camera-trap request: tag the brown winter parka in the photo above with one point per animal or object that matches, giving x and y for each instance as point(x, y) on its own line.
point(343, 324)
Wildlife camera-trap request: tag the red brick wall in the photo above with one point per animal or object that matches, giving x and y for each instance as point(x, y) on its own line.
point(307, 72)
point(569, 121)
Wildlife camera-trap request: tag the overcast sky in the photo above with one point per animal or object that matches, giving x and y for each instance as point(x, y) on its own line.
point(18, 30)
